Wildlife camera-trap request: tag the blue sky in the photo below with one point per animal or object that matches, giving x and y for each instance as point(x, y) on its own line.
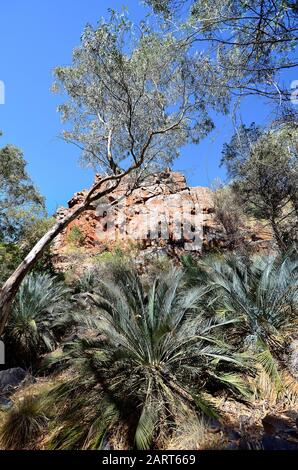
point(36, 36)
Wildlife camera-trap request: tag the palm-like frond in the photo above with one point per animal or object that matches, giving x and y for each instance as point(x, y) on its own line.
point(267, 361)
point(40, 301)
point(264, 294)
point(155, 354)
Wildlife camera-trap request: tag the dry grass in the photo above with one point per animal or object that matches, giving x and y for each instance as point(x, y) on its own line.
point(24, 423)
point(188, 435)
point(119, 439)
point(265, 391)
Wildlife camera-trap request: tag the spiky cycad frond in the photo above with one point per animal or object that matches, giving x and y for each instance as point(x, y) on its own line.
point(155, 357)
point(23, 424)
point(39, 303)
point(264, 293)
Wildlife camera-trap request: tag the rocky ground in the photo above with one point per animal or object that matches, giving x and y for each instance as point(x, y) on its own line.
point(163, 214)
point(269, 423)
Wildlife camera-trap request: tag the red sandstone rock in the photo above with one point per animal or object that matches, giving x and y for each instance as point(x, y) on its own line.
point(163, 211)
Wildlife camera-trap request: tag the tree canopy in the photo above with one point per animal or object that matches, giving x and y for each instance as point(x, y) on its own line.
point(251, 40)
point(135, 97)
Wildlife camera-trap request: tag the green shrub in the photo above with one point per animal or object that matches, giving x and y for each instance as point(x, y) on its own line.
point(75, 237)
point(23, 424)
point(263, 295)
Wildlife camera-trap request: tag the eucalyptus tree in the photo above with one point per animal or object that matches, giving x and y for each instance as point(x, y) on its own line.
point(39, 305)
point(149, 359)
point(252, 41)
point(18, 194)
point(134, 98)
point(262, 165)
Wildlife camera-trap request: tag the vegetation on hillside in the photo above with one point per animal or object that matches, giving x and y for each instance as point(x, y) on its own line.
point(124, 356)
point(138, 361)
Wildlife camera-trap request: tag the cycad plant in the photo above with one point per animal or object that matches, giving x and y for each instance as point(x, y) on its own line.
point(22, 424)
point(39, 304)
point(263, 294)
point(154, 358)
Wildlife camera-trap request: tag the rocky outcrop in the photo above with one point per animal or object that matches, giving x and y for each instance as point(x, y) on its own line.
point(162, 213)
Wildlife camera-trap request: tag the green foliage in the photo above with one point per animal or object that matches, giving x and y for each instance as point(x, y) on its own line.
point(102, 266)
point(229, 213)
point(75, 237)
point(269, 364)
point(86, 281)
point(115, 255)
point(12, 253)
point(251, 41)
point(22, 213)
point(10, 257)
point(135, 97)
point(152, 358)
point(236, 153)
point(264, 171)
point(195, 270)
point(150, 361)
point(264, 296)
point(18, 195)
point(39, 304)
point(23, 424)
point(32, 230)
point(156, 266)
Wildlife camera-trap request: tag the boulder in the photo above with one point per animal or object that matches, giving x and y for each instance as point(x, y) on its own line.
point(276, 443)
point(10, 379)
point(275, 424)
point(280, 431)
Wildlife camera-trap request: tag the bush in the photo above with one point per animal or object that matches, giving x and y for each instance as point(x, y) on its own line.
point(228, 213)
point(38, 307)
point(10, 257)
point(263, 295)
point(12, 253)
point(24, 423)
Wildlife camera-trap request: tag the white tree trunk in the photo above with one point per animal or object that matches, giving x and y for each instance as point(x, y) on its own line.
point(12, 284)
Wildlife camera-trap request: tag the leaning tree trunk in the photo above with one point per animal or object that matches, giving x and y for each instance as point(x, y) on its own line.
point(12, 284)
point(100, 189)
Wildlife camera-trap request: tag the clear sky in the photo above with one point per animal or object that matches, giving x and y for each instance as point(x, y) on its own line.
point(36, 36)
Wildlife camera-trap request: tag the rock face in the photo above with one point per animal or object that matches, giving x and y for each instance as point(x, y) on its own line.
point(164, 212)
point(10, 379)
point(293, 359)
